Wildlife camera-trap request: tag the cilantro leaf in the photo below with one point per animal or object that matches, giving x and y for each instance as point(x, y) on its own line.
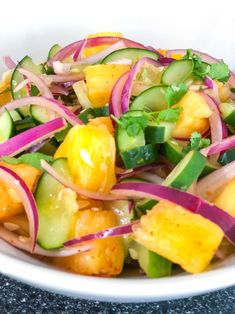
point(11, 160)
point(201, 69)
point(219, 71)
point(175, 92)
point(196, 142)
point(232, 90)
point(34, 159)
point(132, 125)
point(168, 115)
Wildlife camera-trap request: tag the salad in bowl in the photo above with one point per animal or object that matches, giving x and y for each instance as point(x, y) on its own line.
point(118, 155)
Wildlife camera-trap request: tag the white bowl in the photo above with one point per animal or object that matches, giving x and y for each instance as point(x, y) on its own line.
point(31, 28)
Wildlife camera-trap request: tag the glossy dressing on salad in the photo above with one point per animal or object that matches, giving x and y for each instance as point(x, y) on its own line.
point(113, 153)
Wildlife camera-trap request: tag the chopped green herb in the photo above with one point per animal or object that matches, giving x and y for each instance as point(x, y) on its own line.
point(34, 159)
point(232, 90)
point(168, 115)
point(175, 92)
point(133, 125)
point(11, 160)
point(219, 71)
point(201, 69)
point(196, 142)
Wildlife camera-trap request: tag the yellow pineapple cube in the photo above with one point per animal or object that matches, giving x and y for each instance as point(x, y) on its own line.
point(100, 79)
point(91, 154)
point(10, 203)
point(194, 115)
point(226, 198)
point(106, 256)
point(183, 237)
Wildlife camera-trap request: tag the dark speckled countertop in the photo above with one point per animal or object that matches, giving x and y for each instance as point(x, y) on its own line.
point(16, 297)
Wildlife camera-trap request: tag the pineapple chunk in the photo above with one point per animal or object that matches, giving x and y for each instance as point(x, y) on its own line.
point(106, 121)
point(107, 255)
point(182, 237)
point(91, 152)
point(100, 80)
point(93, 50)
point(10, 204)
point(194, 116)
point(225, 199)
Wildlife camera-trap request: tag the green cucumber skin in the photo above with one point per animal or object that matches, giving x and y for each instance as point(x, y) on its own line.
point(145, 205)
point(53, 51)
point(171, 74)
point(228, 112)
point(7, 127)
point(139, 156)
point(54, 221)
point(158, 134)
point(17, 77)
point(130, 53)
point(227, 157)
point(152, 99)
point(183, 178)
point(154, 265)
point(126, 142)
point(230, 119)
point(173, 151)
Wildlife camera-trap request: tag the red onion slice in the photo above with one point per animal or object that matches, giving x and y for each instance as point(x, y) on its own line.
point(37, 81)
point(63, 68)
point(126, 173)
point(205, 57)
point(115, 106)
point(92, 42)
point(79, 51)
point(127, 88)
point(24, 140)
point(219, 147)
point(23, 243)
point(208, 187)
point(110, 232)
point(49, 103)
point(58, 90)
point(10, 64)
point(11, 179)
point(190, 202)
point(75, 188)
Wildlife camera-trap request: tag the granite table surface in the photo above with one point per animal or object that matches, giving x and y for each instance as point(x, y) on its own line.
point(16, 297)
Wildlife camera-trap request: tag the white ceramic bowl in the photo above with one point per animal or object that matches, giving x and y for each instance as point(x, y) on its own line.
point(31, 28)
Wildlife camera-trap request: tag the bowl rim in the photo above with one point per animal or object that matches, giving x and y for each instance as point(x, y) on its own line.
point(115, 289)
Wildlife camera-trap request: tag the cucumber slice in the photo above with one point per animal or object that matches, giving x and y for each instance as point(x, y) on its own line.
point(40, 114)
point(139, 156)
point(177, 72)
point(126, 142)
point(17, 77)
point(56, 208)
point(158, 133)
point(16, 116)
point(92, 113)
point(152, 99)
point(227, 157)
point(187, 171)
point(53, 51)
point(209, 167)
point(228, 112)
point(154, 265)
point(145, 204)
point(7, 128)
point(133, 54)
point(173, 150)
point(24, 124)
